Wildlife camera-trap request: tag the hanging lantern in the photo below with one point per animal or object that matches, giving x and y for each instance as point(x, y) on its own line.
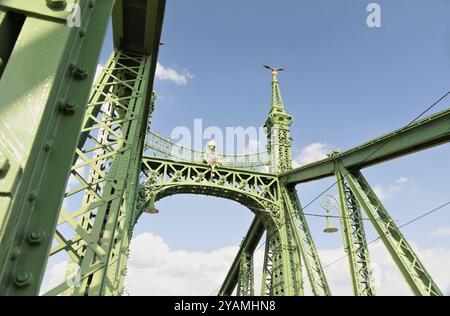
point(150, 206)
point(329, 228)
point(328, 202)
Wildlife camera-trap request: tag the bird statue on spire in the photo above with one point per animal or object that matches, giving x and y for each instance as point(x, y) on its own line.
point(274, 71)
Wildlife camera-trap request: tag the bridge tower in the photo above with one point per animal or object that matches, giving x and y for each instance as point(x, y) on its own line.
point(279, 141)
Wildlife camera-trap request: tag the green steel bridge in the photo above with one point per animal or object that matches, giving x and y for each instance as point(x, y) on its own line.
point(56, 125)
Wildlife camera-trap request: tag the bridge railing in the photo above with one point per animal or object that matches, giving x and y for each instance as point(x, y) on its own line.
point(160, 147)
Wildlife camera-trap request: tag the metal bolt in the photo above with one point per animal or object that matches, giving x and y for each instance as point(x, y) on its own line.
point(32, 197)
point(23, 278)
point(91, 4)
point(56, 4)
point(79, 73)
point(36, 236)
point(68, 108)
point(82, 33)
point(4, 163)
point(15, 252)
point(47, 146)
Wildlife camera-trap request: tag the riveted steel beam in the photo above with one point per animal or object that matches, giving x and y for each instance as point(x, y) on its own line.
point(135, 23)
point(54, 10)
point(303, 239)
point(44, 89)
point(248, 245)
point(428, 132)
point(112, 152)
point(354, 236)
point(412, 269)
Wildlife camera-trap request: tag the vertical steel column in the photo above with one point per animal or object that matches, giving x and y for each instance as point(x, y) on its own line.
point(294, 248)
point(354, 238)
point(114, 133)
point(278, 279)
point(303, 237)
point(415, 274)
point(266, 284)
point(245, 286)
point(46, 77)
point(283, 275)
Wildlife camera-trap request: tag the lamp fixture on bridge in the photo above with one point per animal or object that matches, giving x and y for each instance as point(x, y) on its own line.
point(328, 202)
point(150, 206)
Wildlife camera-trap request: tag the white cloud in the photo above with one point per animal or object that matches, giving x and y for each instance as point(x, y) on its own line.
point(162, 73)
point(98, 72)
point(442, 232)
point(167, 73)
point(384, 193)
point(73, 182)
point(387, 278)
point(401, 180)
point(54, 276)
point(311, 153)
point(155, 269)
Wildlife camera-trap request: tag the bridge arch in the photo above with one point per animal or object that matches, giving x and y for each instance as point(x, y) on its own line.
point(258, 192)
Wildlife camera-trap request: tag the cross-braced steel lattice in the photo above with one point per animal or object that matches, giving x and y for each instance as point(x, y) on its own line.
point(100, 148)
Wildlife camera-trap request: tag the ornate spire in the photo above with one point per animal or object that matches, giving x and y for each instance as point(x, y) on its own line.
point(277, 128)
point(276, 103)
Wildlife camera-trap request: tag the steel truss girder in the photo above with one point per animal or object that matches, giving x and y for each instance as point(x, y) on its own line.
point(304, 241)
point(257, 191)
point(113, 136)
point(430, 131)
point(415, 274)
point(266, 285)
point(245, 286)
point(40, 123)
point(294, 251)
point(248, 245)
point(355, 243)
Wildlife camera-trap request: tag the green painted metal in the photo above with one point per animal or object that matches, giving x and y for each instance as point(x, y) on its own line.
point(113, 138)
point(288, 236)
point(259, 192)
point(304, 240)
point(245, 286)
point(40, 126)
point(266, 289)
point(50, 129)
point(137, 25)
point(160, 147)
point(431, 131)
point(355, 243)
point(248, 245)
point(279, 141)
point(415, 274)
point(294, 251)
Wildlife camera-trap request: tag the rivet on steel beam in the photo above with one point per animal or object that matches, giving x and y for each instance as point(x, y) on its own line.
point(23, 278)
point(36, 236)
point(4, 164)
point(79, 73)
point(32, 197)
point(47, 146)
point(68, 108)
point(56, 4)
point(15, 252)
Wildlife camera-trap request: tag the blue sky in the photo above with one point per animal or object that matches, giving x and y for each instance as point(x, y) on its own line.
point(345, 84)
